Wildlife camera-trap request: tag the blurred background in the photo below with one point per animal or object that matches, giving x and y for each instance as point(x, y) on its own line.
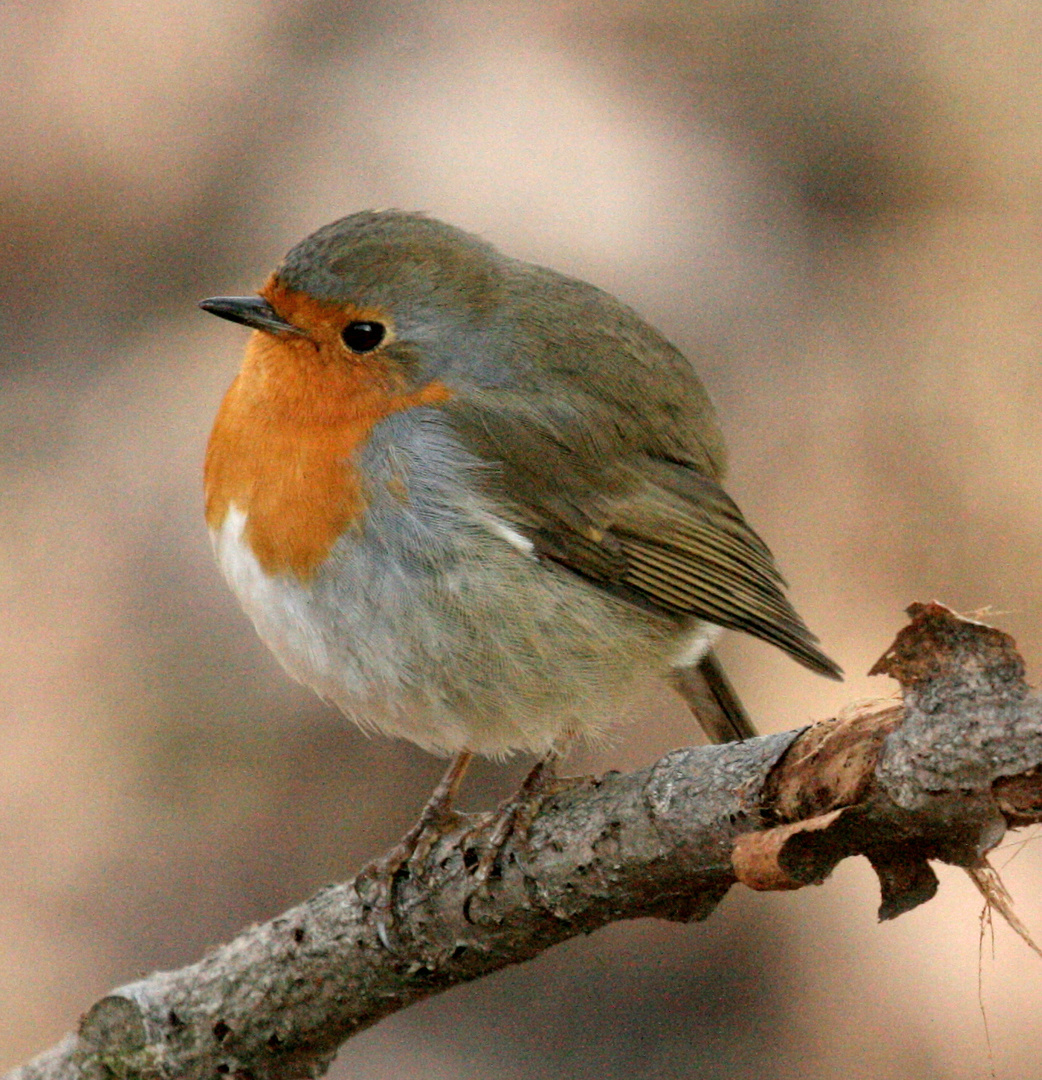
point(833, 208)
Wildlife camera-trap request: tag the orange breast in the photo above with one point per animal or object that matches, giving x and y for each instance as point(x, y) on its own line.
point(285, 443)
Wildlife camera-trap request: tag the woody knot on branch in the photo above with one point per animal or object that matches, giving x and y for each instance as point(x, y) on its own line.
point(940, 777)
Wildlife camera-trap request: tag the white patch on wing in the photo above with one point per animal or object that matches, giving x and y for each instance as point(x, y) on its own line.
point(498, 527)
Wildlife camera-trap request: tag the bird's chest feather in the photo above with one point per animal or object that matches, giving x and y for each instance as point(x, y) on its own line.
point(284, 448)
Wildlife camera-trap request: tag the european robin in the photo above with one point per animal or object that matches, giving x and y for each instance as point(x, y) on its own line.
point(471, 500)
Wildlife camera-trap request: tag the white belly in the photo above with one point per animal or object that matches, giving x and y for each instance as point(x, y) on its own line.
point(491, 652)
point(278, 606)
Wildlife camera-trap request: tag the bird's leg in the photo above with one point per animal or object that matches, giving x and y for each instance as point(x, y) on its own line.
point(515, 815)
point(436, 817)
point(513, 818)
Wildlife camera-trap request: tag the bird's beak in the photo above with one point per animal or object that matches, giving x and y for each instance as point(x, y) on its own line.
point(252, 311)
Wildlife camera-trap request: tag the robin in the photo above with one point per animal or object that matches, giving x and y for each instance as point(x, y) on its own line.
point(471, 500)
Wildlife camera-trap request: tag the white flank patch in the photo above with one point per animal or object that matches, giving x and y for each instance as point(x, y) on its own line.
point(695, 645)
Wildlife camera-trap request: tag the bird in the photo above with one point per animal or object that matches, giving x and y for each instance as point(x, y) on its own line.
point(473, 502)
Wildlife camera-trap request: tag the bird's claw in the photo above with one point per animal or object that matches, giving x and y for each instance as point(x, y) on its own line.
point(406, 858)
point(514, 817)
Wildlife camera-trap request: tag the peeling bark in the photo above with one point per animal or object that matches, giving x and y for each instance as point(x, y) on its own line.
point(941, 777)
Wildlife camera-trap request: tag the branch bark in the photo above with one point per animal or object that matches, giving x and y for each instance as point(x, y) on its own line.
point(940, 777)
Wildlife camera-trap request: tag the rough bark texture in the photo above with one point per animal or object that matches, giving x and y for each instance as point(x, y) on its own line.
point(940, 778)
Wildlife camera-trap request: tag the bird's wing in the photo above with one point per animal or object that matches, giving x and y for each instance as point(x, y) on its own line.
point(655, 530)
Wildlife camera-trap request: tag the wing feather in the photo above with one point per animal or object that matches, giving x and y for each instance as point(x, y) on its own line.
point(632, 515)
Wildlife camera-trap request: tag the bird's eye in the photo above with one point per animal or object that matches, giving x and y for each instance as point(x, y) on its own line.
point(363, 336)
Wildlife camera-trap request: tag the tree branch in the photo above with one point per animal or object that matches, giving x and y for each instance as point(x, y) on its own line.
point(941, 777)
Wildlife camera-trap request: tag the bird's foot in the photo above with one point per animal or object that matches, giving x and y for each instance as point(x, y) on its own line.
point(435, 820)
point(513, 819)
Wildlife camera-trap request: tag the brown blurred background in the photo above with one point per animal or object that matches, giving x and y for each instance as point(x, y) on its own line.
point(833, 208)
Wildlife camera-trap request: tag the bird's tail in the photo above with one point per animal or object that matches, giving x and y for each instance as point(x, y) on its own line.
point(711, 697)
